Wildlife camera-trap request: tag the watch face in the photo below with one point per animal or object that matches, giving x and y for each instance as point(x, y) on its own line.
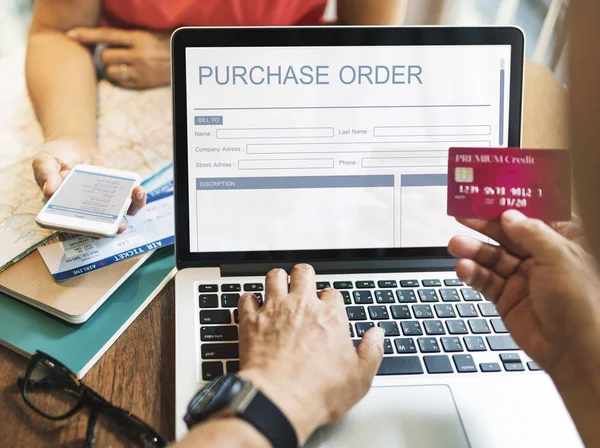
point(213, 398)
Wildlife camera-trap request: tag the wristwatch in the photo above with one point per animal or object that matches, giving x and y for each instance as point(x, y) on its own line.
point(230, 395)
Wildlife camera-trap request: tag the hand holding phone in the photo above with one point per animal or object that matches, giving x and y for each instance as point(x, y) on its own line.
point(91, 200)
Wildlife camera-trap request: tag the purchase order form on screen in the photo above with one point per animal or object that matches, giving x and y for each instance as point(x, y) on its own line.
point(295, 148)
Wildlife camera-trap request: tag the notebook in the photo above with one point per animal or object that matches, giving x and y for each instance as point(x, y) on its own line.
point(25, 329)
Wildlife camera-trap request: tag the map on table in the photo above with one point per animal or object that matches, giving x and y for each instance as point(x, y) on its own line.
point(134, 132)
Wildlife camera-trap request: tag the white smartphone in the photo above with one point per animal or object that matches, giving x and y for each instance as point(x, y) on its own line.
point(91, 200)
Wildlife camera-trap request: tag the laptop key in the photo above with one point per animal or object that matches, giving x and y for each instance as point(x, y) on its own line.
point(362, 297)
point(231, 287)
point(479, 326)
point(428, 295)
point(232, 366)
point(456, 326)
point(387, 284)
point(230, 300)
point(428, 345)
point(343, 285)
point(437, 364)
point(452, 282)
point(498, 325)
point(514, 367)
point(475, 344)
point(422, 311)
point(405, 345)
point(470, 295)
point(356, 343)
point(378, 312)
point(466, 310)
point(208, 288)
point(384, 296)
point(220, 351)
point(411, 328)
point(388, 349)
point(236, 316)
point(356, 313)
point(532, 365)
point(219, 333)
point(409, 283)
point(363, 327)
point(209, 301)
point(449, 295)
point(431, 283)
point(444, 310)
point(211, 370)
point(253, 287)
point(489, 367)
point(400, 365)
point(464, 363)
point(323, 285)
point(451, 344)
point(509, 357)
point(400, 312)
point(351, 330)
point(346, 296)
point(215, 317)
point(390, 328)
point(502, 343)
point(364, 284)
point(487, 309)
point(434, 327)
point(406, 295)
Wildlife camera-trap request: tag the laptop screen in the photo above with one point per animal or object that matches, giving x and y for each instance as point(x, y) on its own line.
point(308, 148)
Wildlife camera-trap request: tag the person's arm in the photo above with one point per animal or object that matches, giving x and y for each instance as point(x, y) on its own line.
point(310, 371)
point(61, 80)
point(584, 87)
point(60, 72)
point(365, 12)
point(579, 387)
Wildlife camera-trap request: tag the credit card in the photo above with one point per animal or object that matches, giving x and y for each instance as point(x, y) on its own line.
point(484, 182)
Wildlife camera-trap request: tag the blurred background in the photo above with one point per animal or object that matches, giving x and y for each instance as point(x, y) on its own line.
point(542, 21)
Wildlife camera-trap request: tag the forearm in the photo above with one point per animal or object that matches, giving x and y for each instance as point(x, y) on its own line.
point(363, 12)
point(61, 81)
point(581, 396)
point(584, 86)
point(224, 432)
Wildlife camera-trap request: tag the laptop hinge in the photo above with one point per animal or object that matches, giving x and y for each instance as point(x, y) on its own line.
point(344, 267)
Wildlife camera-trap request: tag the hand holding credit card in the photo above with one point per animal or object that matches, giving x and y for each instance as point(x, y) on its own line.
point(484, 182)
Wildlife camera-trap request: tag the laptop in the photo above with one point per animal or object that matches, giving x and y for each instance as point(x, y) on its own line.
point(328, 145)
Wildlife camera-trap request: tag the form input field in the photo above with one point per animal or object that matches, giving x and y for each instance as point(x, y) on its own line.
point(285, 164)
point(249, 133)
point(357, 147)
point(402, 162)
point(427, 131)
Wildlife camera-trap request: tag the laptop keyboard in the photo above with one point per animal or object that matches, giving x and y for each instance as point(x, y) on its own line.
point(432, 326)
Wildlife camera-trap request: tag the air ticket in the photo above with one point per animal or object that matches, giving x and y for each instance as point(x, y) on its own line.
point(68, 256)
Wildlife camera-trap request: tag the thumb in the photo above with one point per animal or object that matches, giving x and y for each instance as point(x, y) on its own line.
point(532, 236)
point(370, 353)
point(46, 170)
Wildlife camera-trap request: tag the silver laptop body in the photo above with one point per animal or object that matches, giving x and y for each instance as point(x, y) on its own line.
point(329, 146)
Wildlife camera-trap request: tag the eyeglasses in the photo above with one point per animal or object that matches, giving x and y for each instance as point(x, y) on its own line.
point(54, 392)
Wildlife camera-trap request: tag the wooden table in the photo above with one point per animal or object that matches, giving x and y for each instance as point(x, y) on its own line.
point(138, 371)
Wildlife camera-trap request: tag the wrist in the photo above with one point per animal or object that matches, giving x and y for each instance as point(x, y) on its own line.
point(304, 419)
point(85, 143)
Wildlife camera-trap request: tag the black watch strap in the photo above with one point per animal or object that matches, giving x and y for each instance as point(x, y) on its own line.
point(270, 421)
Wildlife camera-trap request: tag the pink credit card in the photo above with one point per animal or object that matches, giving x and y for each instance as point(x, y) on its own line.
point(484, 182)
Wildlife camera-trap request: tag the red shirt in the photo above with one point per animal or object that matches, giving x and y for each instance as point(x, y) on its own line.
point(171, 14)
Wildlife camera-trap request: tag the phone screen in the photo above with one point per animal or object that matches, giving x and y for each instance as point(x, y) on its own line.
point(91, 196)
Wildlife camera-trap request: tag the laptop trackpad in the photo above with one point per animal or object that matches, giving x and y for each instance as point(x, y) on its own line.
point(399, 417)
